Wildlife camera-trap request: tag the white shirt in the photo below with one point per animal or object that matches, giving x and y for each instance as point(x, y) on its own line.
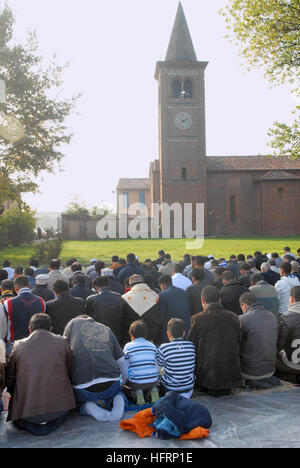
point(10, 272)
point(283, 288)
point(181, 281)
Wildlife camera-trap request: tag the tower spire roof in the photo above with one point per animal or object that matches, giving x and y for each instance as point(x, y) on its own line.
point(181, 45)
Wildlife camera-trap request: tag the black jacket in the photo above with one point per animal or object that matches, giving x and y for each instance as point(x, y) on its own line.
point(216, 335)
point(43, 292)
point(106, 307)
point(230, 296)
point(194, 293)
point(62, 310)
point(271, 277)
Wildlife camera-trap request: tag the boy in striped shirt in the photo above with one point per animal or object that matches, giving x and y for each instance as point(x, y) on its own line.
point(143, 372)
point(178, 360)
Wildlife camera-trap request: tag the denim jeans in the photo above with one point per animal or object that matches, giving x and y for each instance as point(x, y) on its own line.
point(83, 396)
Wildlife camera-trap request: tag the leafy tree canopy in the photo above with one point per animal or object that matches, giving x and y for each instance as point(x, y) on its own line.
point(268, 33)
point(32, 115)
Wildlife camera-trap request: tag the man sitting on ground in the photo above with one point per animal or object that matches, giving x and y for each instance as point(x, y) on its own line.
point(177, 358)
point(216, 335)
point(41, 288)
point(97, 365)
point(142, 377)
point(231, 292)
point(246, 274)
point(55, 273)
point(142, 303)
point(269, 275)
point(284, 286)
point(178, 279)
point(194, 291)
point(38, 379)
point(288, 360)
point(265, 294)
point(106, 307)
point(64, 308)
point(259, 343)
point(79, 288)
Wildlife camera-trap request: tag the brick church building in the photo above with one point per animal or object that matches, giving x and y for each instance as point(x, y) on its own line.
point(243, 195)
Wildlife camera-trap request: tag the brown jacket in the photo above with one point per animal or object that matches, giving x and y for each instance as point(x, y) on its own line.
point(37, 376)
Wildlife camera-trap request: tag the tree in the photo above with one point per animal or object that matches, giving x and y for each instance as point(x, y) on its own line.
point(32, 116)
point(268, 32)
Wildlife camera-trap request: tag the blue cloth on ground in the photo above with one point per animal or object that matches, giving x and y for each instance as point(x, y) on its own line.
point(184, 414)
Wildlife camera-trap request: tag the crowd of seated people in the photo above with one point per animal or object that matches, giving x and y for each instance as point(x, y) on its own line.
point(93, 339)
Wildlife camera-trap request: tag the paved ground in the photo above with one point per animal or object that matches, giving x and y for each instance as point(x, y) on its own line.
point(247, 419)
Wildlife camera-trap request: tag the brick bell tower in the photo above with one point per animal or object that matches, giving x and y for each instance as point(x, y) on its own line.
point(182, 133)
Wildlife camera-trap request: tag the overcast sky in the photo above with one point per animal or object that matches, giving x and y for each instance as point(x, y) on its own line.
point(112, 47)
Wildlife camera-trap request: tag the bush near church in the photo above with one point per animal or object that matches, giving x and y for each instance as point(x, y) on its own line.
point(17, 226)
point(46, 250)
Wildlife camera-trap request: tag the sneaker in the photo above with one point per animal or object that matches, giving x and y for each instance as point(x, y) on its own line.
point(140, 401)
point(154, 395)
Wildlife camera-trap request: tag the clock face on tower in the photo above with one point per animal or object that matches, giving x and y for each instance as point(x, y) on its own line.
point(183, 121)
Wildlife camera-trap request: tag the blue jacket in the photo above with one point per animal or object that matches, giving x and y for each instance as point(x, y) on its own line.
point(174, 303)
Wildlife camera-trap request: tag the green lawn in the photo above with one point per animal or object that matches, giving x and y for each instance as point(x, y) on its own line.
point(85, 250)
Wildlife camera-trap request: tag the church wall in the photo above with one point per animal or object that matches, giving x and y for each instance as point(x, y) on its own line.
point(242, 216)
point(280, 208)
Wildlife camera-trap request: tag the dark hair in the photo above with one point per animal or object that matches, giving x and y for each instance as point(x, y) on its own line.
point(7, 285)
point(245, 266)
point(122, 261)
point(198, 274)
point(256, 278)
point(287, 249)
point(286, 267)
point(214, 262)
point(232, 257)
point(76, 266)
point(115, 258)
point(138, 329)
point(251, 263)
point(29, 272)
point(199, 260)
point(288, 257)
point(248, 298)
point(228, 275)
point(6, 263)
point(274, 255)
point(178, 268)
point(295, 293)
point(71, 261)
point(3, 275)
point(60, 286)
point(101, 282)
point(176, 328)
point(19, 270)
point(22, 281)
point(131, 258)
point(34, 262)
point(220, 270)
point(79, 279)
point(241, 258)
point(210, 294)
point(257, 253)
point(40, 322)
point(161, 253)
point(148, 279)
point(55, 264)
point(167, 257)
point(165, 279)
point(99, 265)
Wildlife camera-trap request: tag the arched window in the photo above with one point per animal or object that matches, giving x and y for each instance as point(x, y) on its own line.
point(233, 214)
point(188, 88)
point(176, 88)
point(183, 173)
